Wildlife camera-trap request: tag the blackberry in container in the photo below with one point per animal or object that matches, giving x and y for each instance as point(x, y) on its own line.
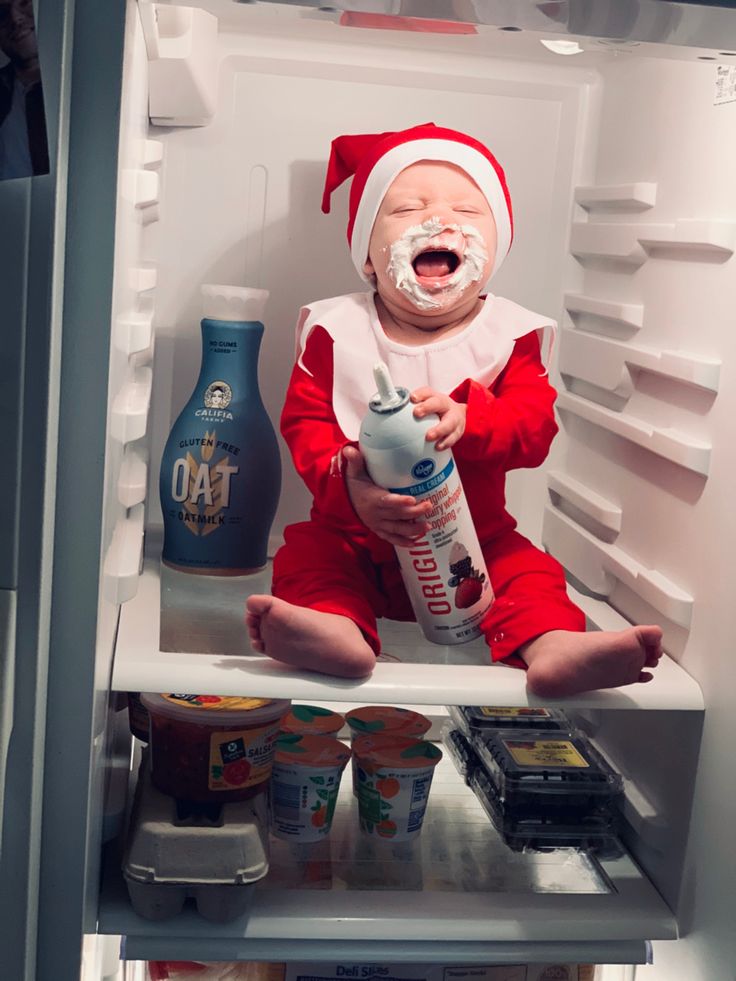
point(540, 770)
point(595, 832)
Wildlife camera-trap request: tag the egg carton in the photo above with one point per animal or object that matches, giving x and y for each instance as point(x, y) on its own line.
point(177, 850)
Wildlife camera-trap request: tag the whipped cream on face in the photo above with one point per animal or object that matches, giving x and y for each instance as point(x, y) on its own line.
point(464, 240)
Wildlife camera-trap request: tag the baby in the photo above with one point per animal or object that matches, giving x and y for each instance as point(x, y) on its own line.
point(430, 223)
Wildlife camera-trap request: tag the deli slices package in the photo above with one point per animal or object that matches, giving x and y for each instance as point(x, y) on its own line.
point(469, 718)
point(546, 828)
point(562, 768)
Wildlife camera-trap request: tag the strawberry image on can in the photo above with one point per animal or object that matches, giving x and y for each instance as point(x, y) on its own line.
point(464, 579)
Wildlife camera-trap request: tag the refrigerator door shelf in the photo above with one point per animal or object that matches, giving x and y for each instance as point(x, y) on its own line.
point(129, 416)
point(121, 569)
point(133, 476)
point(456, 885)
point(213, 608)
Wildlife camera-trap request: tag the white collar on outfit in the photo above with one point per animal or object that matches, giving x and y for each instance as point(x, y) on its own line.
point(481, 351)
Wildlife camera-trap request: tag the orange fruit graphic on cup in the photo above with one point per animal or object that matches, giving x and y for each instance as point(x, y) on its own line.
point(319, 817)
point(388, 787)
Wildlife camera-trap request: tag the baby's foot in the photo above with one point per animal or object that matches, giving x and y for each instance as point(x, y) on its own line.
point(311, 639)
point(564, 662)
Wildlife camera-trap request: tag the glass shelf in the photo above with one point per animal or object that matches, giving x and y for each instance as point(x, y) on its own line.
point(457, 886)
point(186, 633)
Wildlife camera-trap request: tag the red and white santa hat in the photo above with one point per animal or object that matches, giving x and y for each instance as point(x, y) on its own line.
point(373, 160)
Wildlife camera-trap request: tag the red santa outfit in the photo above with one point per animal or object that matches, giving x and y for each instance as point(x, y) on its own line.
point(333, 562)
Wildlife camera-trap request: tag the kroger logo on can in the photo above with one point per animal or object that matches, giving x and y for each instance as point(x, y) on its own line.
point(423, 469)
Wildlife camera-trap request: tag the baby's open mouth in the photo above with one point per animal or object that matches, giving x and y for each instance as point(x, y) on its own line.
point(435, 263)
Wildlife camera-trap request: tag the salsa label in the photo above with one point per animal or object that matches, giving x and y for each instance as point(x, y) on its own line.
point(241, 759)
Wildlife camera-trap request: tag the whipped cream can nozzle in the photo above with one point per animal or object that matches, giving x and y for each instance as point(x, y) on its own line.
point(388, 396)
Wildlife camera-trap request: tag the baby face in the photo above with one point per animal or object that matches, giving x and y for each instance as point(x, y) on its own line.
point(433, 242)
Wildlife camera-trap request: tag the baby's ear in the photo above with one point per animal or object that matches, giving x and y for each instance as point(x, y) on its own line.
point(369, 268)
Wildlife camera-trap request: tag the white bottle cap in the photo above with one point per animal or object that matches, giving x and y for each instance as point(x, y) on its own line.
point(233, 302)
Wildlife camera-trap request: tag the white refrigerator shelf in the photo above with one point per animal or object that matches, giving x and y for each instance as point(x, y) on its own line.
point(455, 893)
point(186, 633)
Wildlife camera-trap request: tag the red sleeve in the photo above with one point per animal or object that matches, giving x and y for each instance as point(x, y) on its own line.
point(512, 423)
point(311, 430)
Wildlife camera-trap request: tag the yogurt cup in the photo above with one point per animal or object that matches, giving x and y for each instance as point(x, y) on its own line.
point(304, 785)
point(394, 776)
point(212, 748)
point(377, 720)
point(310, 720)
point(380, 719)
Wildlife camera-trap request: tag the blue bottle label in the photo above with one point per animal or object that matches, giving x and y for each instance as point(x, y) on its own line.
point(220, 471)
point(202, 482)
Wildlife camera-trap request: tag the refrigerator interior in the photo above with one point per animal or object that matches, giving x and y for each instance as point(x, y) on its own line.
point(620, 164)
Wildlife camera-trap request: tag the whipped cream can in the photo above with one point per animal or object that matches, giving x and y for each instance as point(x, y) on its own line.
point(444, 571)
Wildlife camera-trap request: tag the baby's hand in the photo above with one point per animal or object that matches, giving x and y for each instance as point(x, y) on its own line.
point(452, 416)
point(397, 518)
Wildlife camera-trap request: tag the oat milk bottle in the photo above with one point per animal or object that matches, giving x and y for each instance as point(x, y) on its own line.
point(220, 472)
point(444, 571)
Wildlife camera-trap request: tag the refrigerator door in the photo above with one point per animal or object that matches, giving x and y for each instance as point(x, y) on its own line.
point(89, 39)
point(47, 635)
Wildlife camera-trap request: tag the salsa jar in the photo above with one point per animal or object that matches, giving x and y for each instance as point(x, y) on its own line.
point(212, 748)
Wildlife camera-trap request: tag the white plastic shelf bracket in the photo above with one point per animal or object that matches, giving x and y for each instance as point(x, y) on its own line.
point(129, 416)
point(182, 66)
point(605, 362)
point(594, 505)
point(124, 557)
point(628, 314)
point(151, 154)
point(632, 243)
point(686, 451)
point(133, 476)
point(141, 279)
point(638, 196)
point(600, 566)
point(140, 187)
point(134, 332)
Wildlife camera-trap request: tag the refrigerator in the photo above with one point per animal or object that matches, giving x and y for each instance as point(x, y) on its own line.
point(188, 145)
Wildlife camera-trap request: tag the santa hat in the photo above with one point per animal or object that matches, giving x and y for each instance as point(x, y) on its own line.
point(373, 160)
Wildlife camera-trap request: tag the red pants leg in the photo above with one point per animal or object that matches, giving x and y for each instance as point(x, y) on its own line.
point(321, 568)
point(531, 597)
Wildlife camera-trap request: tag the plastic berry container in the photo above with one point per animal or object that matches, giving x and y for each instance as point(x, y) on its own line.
point(546, 829)
point(212, 748)
point(532, 769)
point(460, 752)
point(471, 718)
